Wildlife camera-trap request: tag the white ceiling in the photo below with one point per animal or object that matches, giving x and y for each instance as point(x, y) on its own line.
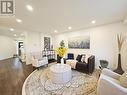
point(50, 15)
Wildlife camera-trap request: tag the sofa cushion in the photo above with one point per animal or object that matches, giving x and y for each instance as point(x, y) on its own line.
point(123, 80)
point(82, 67)
point(79, 58)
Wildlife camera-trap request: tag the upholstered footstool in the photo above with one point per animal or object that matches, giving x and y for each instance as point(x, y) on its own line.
point(60, 73)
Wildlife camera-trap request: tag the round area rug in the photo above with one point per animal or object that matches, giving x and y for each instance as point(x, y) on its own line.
point(38, 83)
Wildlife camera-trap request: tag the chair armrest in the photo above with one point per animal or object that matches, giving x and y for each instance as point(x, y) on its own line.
point(106, 86)
point(34, 62)
point(110, 73)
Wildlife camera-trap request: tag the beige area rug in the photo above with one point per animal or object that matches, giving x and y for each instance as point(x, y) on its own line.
point(39, 84)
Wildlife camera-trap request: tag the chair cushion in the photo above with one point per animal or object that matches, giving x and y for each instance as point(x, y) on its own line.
point(123, 80)
point(79, 58)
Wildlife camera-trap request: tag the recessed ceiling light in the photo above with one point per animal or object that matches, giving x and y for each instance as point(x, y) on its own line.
point(69, 27)
point(93, 21)
point(15, 35)
point(11, 29)
point(55, 31)
point(22, 34)
point(18, 20)
point(29, 7)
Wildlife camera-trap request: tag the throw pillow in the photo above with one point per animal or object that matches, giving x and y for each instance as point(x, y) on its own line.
point(123, 80)
point(79, 58)
point(83, 59)
point(87, 57)
point(70, 56)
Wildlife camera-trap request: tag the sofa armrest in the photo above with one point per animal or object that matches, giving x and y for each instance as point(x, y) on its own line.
point(91, 64)
point(110, 73)
point(109, 86)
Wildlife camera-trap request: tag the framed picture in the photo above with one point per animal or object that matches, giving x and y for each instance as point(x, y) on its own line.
point(82, 42)
point(46, 43)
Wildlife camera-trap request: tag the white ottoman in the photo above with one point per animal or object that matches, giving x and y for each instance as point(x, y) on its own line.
point(60, 73)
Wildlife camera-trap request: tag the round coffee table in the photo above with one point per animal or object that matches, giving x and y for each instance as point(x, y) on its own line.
point(60, 73)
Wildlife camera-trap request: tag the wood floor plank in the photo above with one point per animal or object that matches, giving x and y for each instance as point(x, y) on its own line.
point(12, 76)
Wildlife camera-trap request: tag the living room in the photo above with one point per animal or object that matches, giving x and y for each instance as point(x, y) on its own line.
point(85, 28)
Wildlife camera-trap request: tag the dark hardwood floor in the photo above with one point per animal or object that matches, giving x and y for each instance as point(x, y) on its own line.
point(12, 76)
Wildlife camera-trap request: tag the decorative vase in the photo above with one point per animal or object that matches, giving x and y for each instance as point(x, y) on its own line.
point(58, 59)
point(119, 69)
point(62, 61)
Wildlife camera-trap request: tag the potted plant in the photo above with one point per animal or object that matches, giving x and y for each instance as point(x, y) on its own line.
point(61, 52)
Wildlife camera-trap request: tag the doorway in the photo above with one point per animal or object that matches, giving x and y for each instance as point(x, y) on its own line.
point(20, 46)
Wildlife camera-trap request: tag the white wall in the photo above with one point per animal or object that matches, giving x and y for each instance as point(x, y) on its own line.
point(7, 47)
point(34, 42)
point(103, 42)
